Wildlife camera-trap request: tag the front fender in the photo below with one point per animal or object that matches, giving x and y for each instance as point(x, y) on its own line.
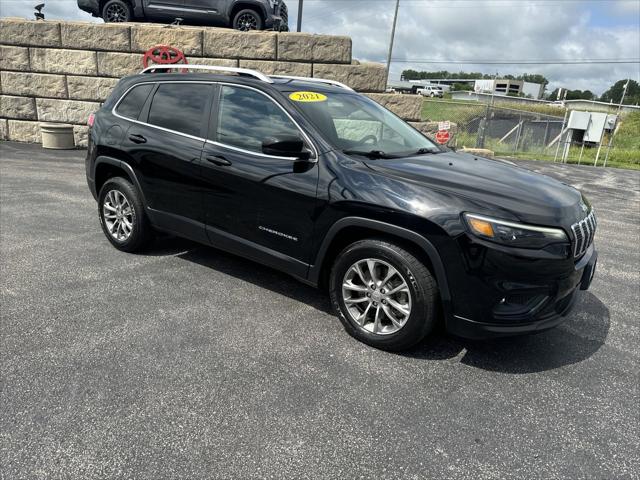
point(429, 249)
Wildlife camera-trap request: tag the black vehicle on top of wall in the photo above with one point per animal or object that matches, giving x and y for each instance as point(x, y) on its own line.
point(239, 14)
point(312, 178)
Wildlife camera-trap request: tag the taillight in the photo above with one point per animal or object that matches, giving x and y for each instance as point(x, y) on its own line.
point(92, 118)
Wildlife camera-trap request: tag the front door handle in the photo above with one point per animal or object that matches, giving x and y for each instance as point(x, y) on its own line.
point(220, 161)
point(137, 138)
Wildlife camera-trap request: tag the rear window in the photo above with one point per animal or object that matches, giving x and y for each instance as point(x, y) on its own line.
point(180, 107)
point(131, 105)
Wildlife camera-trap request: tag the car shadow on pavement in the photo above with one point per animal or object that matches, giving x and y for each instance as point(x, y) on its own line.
point(580, 336)
point(242, 269)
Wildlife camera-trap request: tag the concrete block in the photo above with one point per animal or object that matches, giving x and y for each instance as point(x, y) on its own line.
point(96, 36)
point(33, 84)
point(67, 111)
point(81, 135)
point(482, 152)
point(14, 58)
point(278, 68)
point(4, 129)
point(76, 62)
point(431, 128)
point(314, 48)
point(112, 64)
point(24, 131)
point(186, 39)
point(216, 62)
point(31, 33)
point(23, 108)
point(366, 77)
point(90, 88)
point(226, 43)
point(407, 107)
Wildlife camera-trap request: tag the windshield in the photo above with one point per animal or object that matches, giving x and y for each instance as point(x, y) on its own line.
point(357, 124)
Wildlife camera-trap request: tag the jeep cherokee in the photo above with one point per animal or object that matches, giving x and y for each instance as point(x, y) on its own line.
point(311, 178)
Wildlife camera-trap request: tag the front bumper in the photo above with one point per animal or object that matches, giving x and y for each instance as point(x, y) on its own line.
point(515, 309)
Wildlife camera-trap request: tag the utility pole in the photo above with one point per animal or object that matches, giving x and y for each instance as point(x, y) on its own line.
point(613, 131)
point(299, 16)
point(393, 34)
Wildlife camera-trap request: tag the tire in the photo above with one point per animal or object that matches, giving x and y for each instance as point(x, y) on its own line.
point(127, 227)
point(432, 95)
point(246, 20)
point(116, 11)
point(420, 295)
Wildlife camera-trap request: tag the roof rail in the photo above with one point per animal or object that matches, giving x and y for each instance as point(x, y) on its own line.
point(312, 79)
point(185, 66)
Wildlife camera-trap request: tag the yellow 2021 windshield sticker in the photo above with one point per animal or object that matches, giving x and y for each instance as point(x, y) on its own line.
point(307, 97)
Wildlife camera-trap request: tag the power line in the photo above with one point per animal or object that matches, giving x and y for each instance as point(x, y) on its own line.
point(523, 62)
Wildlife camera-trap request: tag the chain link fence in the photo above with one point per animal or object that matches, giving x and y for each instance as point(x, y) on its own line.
point(510, 132)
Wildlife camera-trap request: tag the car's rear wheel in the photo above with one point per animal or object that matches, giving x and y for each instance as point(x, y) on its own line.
point(122, 216)
point(383, 294)
point(246, 20)
point(116, 11)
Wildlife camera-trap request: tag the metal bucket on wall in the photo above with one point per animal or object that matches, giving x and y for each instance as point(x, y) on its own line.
point(57, 136)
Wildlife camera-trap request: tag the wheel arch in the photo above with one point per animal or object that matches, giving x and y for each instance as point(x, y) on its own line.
point(108, 167)
point(259, 9)
point(350, 229)
point(131, 4)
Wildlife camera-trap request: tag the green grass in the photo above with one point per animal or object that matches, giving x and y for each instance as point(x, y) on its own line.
point(625, 151)
point(436, 109)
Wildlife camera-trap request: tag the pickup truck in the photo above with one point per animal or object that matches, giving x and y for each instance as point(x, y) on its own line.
point(431, 91)
point(239, 14)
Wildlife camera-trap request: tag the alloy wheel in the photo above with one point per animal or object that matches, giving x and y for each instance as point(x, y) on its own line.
point(118, 215)
point(376, 296)
point(115, 13)
point(247, 22)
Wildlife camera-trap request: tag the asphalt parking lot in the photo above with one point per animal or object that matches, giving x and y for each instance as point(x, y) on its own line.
point(188, 362)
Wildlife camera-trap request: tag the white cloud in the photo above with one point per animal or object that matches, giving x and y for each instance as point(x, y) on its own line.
point(466, 30)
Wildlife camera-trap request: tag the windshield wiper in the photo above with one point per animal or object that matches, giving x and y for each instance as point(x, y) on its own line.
point(423, 151)
point(373, 154)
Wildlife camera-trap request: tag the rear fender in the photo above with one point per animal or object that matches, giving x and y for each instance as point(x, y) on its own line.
point(106, 160)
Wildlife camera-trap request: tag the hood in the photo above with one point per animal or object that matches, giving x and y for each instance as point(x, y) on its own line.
point(491, 184)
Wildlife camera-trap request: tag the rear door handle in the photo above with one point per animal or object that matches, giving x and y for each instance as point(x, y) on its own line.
point(137, 138)
point(220, 161)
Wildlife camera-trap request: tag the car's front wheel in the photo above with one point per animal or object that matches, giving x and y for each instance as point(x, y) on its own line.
point(246, 20)
point(383, 294)
point(116, 11)
point(122, 216)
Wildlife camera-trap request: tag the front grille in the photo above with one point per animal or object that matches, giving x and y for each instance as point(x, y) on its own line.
point(583, 233)
point(284, 14)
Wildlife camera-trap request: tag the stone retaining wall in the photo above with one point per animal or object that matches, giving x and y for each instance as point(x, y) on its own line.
point(53, 71)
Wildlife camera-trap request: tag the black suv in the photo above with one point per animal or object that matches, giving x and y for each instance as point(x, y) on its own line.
point(239, 14)
point(318, 181)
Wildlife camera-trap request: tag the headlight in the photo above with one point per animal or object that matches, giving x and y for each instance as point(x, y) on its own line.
point(514, 234)
point(273, 3)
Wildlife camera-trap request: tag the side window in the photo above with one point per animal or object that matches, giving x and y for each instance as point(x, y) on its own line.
point(131, 105)
point(247, 117)
point(180, 107)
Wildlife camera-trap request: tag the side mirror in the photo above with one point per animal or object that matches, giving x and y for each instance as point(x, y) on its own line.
point(290, 146)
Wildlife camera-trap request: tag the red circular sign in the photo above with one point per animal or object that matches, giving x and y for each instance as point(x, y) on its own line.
point(163, 55)
point(442, 136)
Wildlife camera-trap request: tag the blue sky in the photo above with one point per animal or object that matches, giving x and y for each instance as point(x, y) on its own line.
point(467, 30)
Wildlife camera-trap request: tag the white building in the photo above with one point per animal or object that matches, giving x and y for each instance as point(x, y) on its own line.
point(505, 86)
